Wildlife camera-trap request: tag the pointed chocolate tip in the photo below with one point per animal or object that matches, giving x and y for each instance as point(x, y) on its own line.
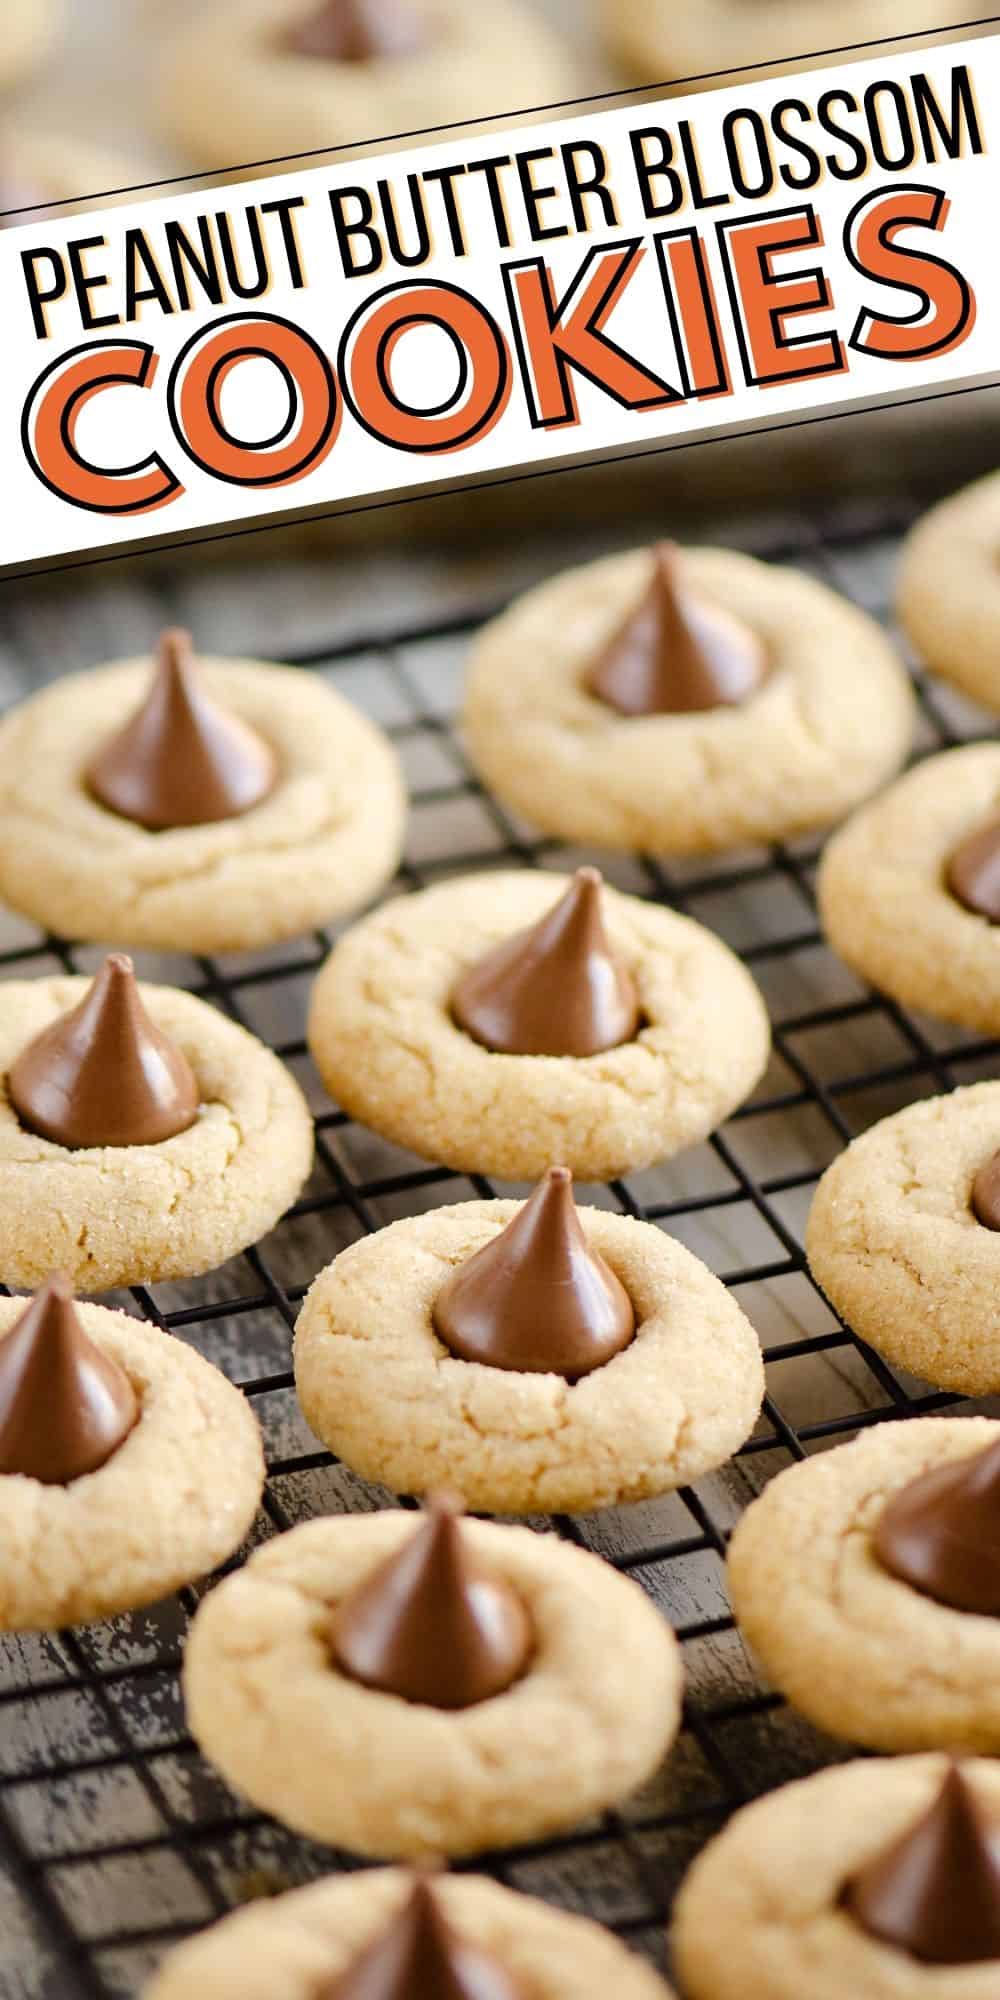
point(418, 1955)
point(355, 31)
point(65, 1406)
point(537, 1298)
point(430, 1624)
point(673, 655)
point(556, 989)
point(941, 1534)
point(935, 1891)
point(181, 760)
point(104, 1074)
point(972, 872)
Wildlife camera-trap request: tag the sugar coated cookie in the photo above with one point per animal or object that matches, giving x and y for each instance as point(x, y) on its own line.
point(301, 1943)
point(593, 1706)
point(873, 1601)
point(516, 1433)
point(142, 1135)
point(684, 703)
point(302, 79)
point(904, 1237)
point(904, 890)
point(600, 1032)
point(948, 595)
point(878, 1880)
point(242, 862)
point(128, 1465)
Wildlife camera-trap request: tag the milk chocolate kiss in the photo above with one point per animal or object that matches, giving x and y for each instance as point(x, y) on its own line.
point(181, 760)
point(431, 1624)
point(986, 1194)
point(674, 656)
point(420, 1957)
point(64, 1406)
point(359, 31)
point(104, 1074)
point(557, 989)
point(973, 872)
point(935, 1893)
point(941, 1534)
point(537, 1298)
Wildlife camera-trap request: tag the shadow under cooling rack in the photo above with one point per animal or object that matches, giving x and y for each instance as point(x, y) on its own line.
point(115, 1838)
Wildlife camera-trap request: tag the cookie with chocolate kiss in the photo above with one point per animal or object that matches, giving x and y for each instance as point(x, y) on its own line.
point(941, 1534)
point(557, 989)
point(432, 1625)
point(105, 1074)
point(420, 1956)
point(65, 1407)
point(181, 760)
point(675, 656)
point(973, 872)
point(537, 1298)
point(357, 31)
point(935, 1893)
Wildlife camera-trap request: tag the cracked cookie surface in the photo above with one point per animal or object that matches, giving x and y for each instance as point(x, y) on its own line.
point(293, 1944)
point(948, 594)
point(475, 64)
point(883, 898)
point(860, 1653)
point(895, 1242)
point(831, 722)
point(760, 1913)
point(678, 1401)
point(324, 840)
point(344, 1763)
point(125, 1215)
point(174, 1501)
point(382, 1034)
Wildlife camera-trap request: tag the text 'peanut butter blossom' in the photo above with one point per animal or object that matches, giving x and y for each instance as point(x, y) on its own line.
point(558, 989)
point(973, 872)
point(181, 760)
point(104, 1074)
point(986, 1194)
point(935, 1893)
point(675, 656)
point(537, 1298)
point(419, 1956)
point(64, 1406)
point(432, 1624)
point(359, 31)
point(941, 1534)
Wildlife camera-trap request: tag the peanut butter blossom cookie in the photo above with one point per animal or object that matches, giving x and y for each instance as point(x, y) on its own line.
point(909, 889)
point(868, 1581)
point(904, 1237)
point(128, 1465)
point(500, 1022)
point(306, 75)
point(948, 597)
point(404, 1687)
point(142, 1135)
point(186, 806)
point(873, 1881)
point(386, 1935)
point(684, 703)
point(544, 1358)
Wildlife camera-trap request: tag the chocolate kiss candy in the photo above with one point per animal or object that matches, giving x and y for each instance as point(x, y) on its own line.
point(537, 1298)
point(557, 989)
point(936, 1891)
point(103, 1074)
point(420, 1957)
point(64, 1406)
point(430, 1624)
point(986, 1194)
point(973, 872)
point(941, 1534)
point(674, 656)
point(359, 31)
point(181, 760)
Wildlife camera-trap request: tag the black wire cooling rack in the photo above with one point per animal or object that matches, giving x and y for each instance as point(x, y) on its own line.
point(115, 1838)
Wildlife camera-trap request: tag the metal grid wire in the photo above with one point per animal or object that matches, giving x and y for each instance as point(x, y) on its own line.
point(115, 1838)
